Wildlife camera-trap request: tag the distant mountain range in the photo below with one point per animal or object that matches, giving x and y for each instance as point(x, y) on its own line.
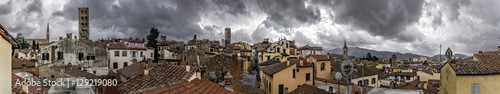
point(361, 52)
point(454, 56)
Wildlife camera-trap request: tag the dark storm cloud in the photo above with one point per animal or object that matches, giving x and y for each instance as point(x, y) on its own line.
point(6, 8)
point(234, 7)
point(289, 13)
point(135, 18)
point(386, 18)
point(483, 10)
point(35, 7)
point(452, 7)
point(437, 20)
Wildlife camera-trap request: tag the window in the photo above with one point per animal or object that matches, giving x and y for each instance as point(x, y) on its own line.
point(52, 76)
point(124, 53)
point(298, 70)
point(133, 54)
point(45, 56)
point(141, 54)
point(269, 86)
point(308, 76)
point(407, 77)
point(322, 66)
point(330, 88)
point(151, 54)
point(80, 56)
point(60, 55)
point(117, 53)
point(281, 89)
point(115, 65)
point(365, 82)
point(90, 57)
point(475, 88)
point(293, 73)
point(125, 64)
point(360, 83)
point(373, 80)
point(284, 50)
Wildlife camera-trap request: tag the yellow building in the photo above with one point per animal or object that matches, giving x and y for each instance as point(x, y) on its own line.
point(480, 76)
point(281, 78)
point(7, 43)
point(322, 65)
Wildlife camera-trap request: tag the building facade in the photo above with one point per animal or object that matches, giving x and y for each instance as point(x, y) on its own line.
point(122, 54)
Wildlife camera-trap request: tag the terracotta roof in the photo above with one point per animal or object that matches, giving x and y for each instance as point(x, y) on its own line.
point(17, 63)
point(403, 74)
point(5, 34)
point(110, 90)
point(15, 88)
point(309, 89)
point(487, 64)
point(273, 68)
point(197, 86)
point(307, 47)
point(131, 70)
point(320, 57)
point(160, 75)
point(277, 67)
point(75, 72)
point(367, 71)
point(333, 81)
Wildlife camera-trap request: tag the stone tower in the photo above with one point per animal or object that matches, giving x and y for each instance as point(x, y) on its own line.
point(394, 60)
point(448, 54)
point(345, 56)
point(227, 34)
point(83, 23)
point(47, 33)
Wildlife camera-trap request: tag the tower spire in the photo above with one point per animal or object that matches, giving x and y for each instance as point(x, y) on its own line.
point(345, 57)
point(47, 36)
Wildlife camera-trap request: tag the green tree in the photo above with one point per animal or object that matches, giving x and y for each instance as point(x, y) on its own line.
point(152, 41)
point(33, 45)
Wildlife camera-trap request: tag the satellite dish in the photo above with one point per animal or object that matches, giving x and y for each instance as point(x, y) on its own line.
point(338, 76)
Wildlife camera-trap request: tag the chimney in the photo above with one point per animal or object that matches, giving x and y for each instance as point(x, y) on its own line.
point(227, 78)
point(68, 35)
point(145, 68)
point(163, 38)
point(498, 49)
point(188, 68)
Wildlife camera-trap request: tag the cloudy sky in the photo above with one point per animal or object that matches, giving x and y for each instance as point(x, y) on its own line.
point(408, 26)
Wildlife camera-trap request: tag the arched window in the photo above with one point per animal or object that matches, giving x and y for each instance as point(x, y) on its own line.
point(322, 66)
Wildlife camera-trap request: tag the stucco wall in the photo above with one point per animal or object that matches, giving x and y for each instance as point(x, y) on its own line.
point(5, 63)
point(489, 84)
point(285, 77)
point(448, 81)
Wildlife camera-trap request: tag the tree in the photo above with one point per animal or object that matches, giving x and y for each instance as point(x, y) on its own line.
point(33, 45)
point(152, 41)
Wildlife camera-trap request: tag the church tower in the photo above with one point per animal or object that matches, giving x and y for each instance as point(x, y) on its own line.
point(83, 23)
point(345, 56)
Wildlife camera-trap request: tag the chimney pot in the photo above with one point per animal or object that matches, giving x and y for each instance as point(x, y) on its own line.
point(188, 68)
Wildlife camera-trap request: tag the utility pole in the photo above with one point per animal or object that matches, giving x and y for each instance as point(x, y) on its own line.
point(439, 53)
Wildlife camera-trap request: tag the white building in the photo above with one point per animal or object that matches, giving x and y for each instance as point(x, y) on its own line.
point(309, 50)
point(121, 54)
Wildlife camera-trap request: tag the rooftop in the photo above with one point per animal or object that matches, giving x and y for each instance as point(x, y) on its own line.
point(160, 75)
point(309, 89)
point(196, 86)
